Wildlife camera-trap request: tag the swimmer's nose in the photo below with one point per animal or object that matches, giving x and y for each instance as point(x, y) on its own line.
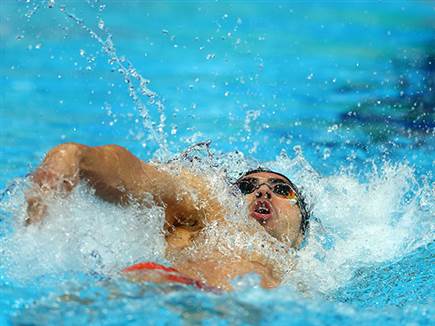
point(263, 191)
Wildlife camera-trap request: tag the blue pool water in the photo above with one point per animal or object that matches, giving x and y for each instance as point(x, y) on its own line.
point(339, 96)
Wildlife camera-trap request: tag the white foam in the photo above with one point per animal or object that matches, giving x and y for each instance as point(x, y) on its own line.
point(363, 223)
point(83, 233)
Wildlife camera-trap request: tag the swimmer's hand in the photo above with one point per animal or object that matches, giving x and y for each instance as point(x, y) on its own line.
point(57, 175)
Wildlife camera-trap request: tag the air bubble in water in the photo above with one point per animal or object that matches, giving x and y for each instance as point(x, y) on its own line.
point(50, 3)
point(82, 52)
point(174, 130)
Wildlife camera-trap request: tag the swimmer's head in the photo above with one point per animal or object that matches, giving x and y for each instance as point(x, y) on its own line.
point(276, 203)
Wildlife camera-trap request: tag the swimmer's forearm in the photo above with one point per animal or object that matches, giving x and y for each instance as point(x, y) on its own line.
point(119, 177)
point(111, 170)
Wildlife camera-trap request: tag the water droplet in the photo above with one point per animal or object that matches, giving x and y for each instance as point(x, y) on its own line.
point(210, 56)
point(50, 3)
point(227, 93)
point(297, 149)
point(82, 52)
point(326, 153)
point(310, 76)
point(174, 130)
point(101, 24)
point(332, 128)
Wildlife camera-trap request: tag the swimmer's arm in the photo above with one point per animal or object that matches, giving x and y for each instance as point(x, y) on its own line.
point(119, 177)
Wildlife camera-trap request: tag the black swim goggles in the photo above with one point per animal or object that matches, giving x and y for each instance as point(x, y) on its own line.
point(249, 184)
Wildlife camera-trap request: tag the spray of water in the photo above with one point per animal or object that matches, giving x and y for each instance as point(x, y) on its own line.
point(80, 233)
point(355, 224)
point(137, 85)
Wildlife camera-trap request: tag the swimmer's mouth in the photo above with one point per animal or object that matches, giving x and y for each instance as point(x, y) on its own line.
point(262, 211)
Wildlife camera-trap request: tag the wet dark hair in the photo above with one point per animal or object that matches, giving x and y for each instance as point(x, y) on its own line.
point(305, 212)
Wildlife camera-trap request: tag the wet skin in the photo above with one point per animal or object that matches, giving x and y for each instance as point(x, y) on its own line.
point(280, 217)
point(119, 177)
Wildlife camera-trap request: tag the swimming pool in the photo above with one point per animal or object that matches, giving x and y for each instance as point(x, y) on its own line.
point(338, 96)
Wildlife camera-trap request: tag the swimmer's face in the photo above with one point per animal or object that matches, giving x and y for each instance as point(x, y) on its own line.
point(272, 203)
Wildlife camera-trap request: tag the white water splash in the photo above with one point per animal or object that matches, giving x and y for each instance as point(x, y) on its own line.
point(82, 233)
point(363, 223)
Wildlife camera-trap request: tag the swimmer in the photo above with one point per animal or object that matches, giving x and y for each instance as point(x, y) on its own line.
point(117, 176)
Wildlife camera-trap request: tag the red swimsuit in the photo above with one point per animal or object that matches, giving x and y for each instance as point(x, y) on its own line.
point(169, 274)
